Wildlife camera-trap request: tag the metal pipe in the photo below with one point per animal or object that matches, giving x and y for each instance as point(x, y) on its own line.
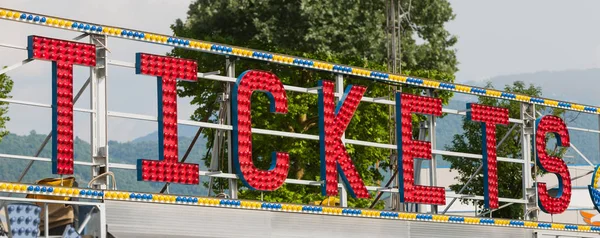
point(46, 222)
point(379, 193)
point(86, 220)
point(230, 66)
point(463, 188)
point(14, 66)
point(490, 211)
point(339, 89)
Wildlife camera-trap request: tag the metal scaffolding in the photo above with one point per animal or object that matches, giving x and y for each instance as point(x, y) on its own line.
point(100, 163)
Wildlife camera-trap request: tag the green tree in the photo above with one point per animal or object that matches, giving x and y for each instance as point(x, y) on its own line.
point(346, 32)
point(6, 85)
point(510, 175)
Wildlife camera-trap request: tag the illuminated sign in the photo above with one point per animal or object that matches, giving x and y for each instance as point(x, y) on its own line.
point(252, 177)
point(333, 121)
point(63, 54)
point(489, 117)
point(409, 149)
point(167, 70)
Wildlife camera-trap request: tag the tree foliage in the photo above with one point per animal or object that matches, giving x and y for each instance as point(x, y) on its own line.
point(510, 175)
point(6, 85)
point(346, 32)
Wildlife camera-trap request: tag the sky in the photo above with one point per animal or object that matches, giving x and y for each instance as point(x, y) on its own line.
point(512, 37)
point(127, 92)
point(494, 38)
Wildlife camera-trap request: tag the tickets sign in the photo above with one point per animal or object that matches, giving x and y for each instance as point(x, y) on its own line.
point(334, 118)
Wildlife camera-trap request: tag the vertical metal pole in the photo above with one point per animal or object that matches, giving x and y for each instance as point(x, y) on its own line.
point(230, 67)
point(393, 33)
point(527, 130)
point(98, 104)
point(339, 90)
point(46, 222)
point(102, 213)
point(418, 166)
point(216, 148)
point(433, 164)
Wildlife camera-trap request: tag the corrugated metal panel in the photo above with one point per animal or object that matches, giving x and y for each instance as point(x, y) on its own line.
point(133, 219)
point(427, 229)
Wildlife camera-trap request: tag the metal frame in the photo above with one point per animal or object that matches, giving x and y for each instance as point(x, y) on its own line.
point(227, 127)
point(99, 118)
point(99, 141)
point(99, 115)
point(97, 205)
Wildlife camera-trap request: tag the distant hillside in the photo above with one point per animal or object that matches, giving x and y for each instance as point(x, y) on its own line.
point(578, 86)
point(127, 152)
point(570, 85)
point(182, 130)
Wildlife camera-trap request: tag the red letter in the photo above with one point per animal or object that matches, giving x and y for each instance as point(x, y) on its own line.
point(167, 70)
point(555, 165)
point(489, 117)
point(409, 149)
point(63, 54)
point(252, 177)
point(332, 124)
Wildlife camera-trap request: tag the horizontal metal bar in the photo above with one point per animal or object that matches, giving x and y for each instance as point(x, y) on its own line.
point(302, 136)
point(122, 166)
point(582, 129)
point(25, 157)
point(154, 119)
point(205, 125)
point(35, 104)
point(27, 103)
point(15, 66)
point(464, 113)
point(368, 143)
point(17, 47)
point(120, 63)
point(475, 197)
point(17, 199)
point(474, 156)
point(131, 116)
point(83, 110)
point(285, 134)
point(209, 73)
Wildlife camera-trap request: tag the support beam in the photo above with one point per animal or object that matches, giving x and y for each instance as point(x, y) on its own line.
point(98, 104)
point(339, 90)
point(479, 169)
point(15, 66)
point(490, 211)
point(463, 188)
point(433, 162)
point(582, 155)
point(230, 67)
point(528, 114)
